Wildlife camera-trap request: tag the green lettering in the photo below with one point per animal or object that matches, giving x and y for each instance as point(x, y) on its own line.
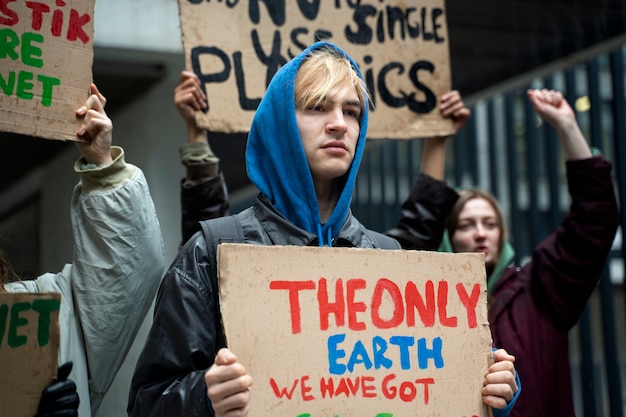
point(4, 313)
point(46, 86)
point(15, 340)
point(8, 42)
point(8, 85)
point(29, 51)
point(24, 85)
point(44, 308)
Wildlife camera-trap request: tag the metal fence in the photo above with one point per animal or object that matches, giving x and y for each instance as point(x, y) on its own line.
point(505, 148)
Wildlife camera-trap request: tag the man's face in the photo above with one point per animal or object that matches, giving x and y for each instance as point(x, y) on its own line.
point(329, 133)
point(478, 230)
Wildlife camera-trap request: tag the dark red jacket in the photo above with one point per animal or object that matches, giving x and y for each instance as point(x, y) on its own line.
point(533, 307)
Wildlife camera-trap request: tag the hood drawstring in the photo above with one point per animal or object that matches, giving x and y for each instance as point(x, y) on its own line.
point(319, 234)
point(320, 237)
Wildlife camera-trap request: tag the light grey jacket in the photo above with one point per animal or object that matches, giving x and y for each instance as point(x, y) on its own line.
point(117, 265)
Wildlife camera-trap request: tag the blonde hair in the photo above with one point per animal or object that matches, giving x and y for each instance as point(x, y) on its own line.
point(323, 70)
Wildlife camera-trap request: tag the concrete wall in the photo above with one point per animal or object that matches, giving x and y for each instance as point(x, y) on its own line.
point(150, 25)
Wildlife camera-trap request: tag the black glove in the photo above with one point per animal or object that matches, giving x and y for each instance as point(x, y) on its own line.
point(60, 398)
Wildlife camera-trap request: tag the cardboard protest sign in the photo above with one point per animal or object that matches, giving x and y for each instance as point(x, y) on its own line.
point(357, 332)
point(29, 348)
point(401, 47)
point(46, 57)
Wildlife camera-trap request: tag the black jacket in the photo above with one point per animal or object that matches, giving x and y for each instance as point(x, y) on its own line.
point(183, 340)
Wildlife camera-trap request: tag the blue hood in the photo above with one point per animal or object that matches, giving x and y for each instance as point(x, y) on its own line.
point(276, 162)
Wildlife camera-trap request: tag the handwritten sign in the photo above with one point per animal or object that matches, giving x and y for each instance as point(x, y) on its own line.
point(401, 47)
point(46, 56)
point(357, 332)
point(29, 346)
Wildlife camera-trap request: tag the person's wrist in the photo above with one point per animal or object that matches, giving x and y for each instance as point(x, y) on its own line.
point(196, 134)
point(101, 158)
point(100, 161)
point(436, 142)
point(566, 126)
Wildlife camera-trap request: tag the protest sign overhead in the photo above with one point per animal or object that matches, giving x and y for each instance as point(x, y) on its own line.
point(46, 56)
point(29, 346)
point(401, 47)
point(357, 332)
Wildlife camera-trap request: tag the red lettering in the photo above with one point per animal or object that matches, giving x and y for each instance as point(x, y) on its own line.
point(469, 302)
point(369, 390)
point(426, 382)
point(355, 307)
point(348, 387)
point(405, 390)
point(305, 389)
point(388, 307)
point(282, 392)
point(337, 308)
point(442, 304)
point(38, 10)
point(11, 16)
point(327, 387)
point(377, 299)
point(415, 301)
point(75, 30)
point(57, 23)
point(294, 302)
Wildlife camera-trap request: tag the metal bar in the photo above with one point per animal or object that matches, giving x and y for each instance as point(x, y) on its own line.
point(533, 158)
point(550, 141)
point(586, 349)
point(514, 215)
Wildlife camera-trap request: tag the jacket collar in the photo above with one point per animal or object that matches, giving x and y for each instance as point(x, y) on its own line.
point(282, 232)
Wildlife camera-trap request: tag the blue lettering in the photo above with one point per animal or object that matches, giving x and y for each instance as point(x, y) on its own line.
point(334, 354)
point(424, 353)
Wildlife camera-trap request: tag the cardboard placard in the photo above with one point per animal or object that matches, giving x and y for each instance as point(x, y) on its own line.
point(29, 349)
point(357, 332)
point(46, 58)
point(401, 47)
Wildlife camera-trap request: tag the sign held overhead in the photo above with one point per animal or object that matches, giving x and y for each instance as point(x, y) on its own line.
point(46, 56)
point(235, 47)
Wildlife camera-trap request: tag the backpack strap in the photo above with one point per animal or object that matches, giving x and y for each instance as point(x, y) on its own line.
point(222, 229)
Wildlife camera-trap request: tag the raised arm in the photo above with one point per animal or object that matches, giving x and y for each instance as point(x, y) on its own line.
point(576, 252)
point(204, 194)
point(118, 250)
point(423, 213)
point(188, 99)
point(96, 129)
point(433, 150)
point(552, 107)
